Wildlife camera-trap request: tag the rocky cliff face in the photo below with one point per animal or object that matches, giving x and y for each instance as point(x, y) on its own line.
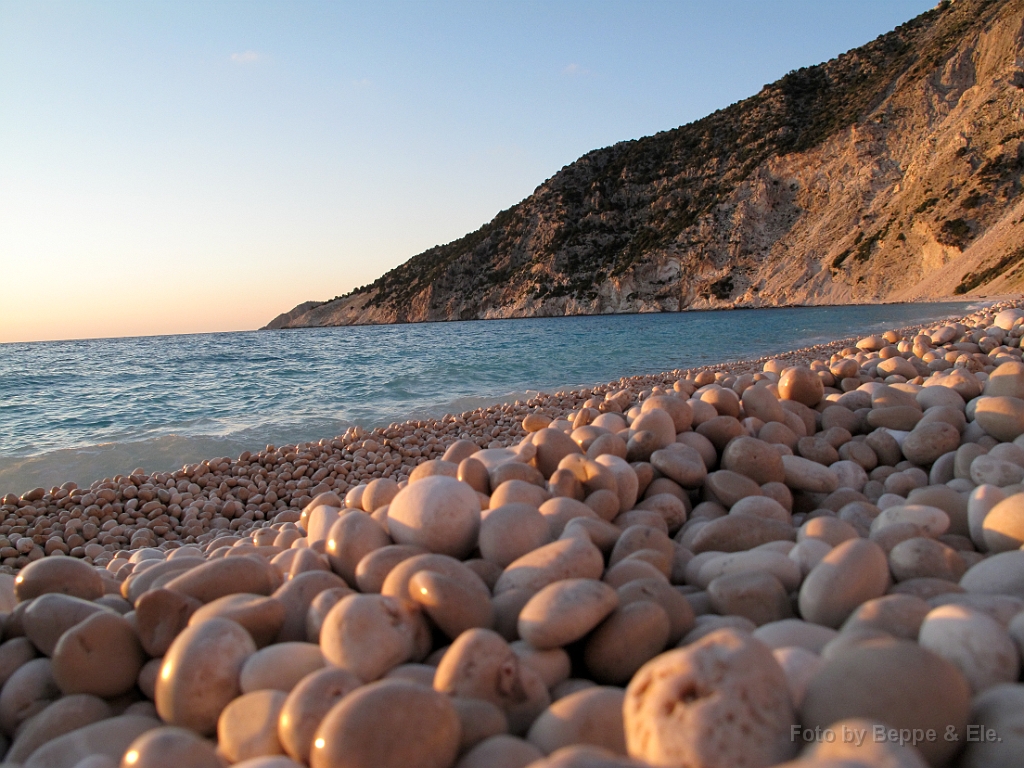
point(891, 173)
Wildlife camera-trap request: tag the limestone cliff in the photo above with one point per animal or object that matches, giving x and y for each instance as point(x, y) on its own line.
point(891, 173)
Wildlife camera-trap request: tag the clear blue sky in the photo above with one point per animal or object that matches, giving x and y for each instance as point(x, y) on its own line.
point(176, 167)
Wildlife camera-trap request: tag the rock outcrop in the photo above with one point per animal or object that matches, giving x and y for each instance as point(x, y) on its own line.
point(890, 173)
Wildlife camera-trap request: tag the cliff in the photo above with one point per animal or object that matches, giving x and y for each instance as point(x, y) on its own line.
point(890, 173)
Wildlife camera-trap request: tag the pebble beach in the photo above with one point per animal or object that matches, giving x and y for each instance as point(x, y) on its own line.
point(809, 560)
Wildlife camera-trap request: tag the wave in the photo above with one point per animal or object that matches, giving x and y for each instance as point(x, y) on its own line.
point(231, 393)
point(87, 464)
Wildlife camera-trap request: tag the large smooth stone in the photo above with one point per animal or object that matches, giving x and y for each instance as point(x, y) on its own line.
point(754, 458)
point(552, 446)
point(373, 570)
point(676, 606)
point(248, 726)
point(921, 557)
point(931, 397)
point(280, 666)
point(898, 615)
point(927, 441)
point(776, 564)
point(806, 475)
point(473, 472)
point(370, 634)
point(627, 484)
point(659, 423)
point(897, 683)
point(1002, 417)
point(398, 581)
point(962, 381)
point(851, 574)
point(1007, 318)
point(636, 538)
point(509, 532)
point(676, 407)
point(1007, 380)
point(902, 418)
point(808, 553)
point(680, 463)
point(68, 575)
point(802, 385)
point(353, 536)
point(160, 614)
point(885, 446)
point(323, 516)
point(669, 507)
point(478, 720)
point(559, 511)
point(759, 597)
point(553, 665)
point(101, 656)
point(1003, 526)
point(931, 520)
point(501, 751)
point(981, 501)
point(28, 691)
point(898, 366)
point(565, 611)
point(975, 642)
point(734, 533)
point(948, 500)
point(1001, 574)
point(627, 639)
point(520, 492)
point(849, 474)
point(438, 513)
point(453, 604)
point(721, 701)
point(49, 616)
point(761, 506)
point(109, 739)
point(67, 714)
point(262, 617)
point(227, 576)
point(307, 704)
point(296, 596)
point(795, 633)
point(1002, 608)
point(200, 673)
point(729, 487)
point(591, 716)
point(562, 559)
point(13, 654)
point(379, 492)
point(389, 724)
point(156, 576)
point(760, 403)
point(170, 747)
point(990, 470)
point(857, 742)
point(999, 714)
point(831, 530)
point(480, 664)
point(799, 666)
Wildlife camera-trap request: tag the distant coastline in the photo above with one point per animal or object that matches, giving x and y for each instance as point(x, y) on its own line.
point(381, 386)
point(981, 300)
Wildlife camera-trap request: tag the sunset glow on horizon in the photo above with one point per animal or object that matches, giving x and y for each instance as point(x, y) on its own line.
point(190, 167)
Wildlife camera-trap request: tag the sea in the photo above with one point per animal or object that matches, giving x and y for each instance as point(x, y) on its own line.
point(89, 409)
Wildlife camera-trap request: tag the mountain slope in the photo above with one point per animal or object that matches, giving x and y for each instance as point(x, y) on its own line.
point(892, 172)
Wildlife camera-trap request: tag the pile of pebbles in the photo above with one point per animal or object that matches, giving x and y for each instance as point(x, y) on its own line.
point(807, 561)
point(204, 501)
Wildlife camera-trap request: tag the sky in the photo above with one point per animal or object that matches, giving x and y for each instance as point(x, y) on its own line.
point(184, 167)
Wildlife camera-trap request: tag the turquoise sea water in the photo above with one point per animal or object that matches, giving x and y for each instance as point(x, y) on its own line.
point(83, 410)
